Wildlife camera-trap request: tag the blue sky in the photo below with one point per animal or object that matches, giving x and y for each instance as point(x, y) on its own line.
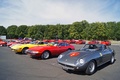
point(32, 12)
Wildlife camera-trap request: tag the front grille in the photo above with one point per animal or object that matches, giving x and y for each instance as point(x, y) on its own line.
point(67, 65)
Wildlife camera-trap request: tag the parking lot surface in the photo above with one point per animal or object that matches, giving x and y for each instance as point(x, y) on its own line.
point(22, 67)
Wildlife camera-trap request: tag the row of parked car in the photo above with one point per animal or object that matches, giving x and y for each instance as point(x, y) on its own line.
point(73, 41)
point(87, 59)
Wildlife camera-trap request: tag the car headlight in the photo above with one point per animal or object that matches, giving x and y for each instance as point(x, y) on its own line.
point(60, 56)
point(81, 61)
point(35, 52)
point(18, 48)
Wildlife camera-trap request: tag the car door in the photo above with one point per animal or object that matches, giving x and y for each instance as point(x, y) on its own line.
point(55, 50)
point(105, 54)
point(63, 47)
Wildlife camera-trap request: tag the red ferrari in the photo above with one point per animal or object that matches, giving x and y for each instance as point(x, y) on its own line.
point(107, 43)
point(46, 52)
point(3, 43)
point(93, 42)
point(80, 42)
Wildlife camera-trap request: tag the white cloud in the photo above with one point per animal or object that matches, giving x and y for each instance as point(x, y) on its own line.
point(31, 12)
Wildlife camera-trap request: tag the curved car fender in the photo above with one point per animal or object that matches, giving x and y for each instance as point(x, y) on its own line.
point(94, 56)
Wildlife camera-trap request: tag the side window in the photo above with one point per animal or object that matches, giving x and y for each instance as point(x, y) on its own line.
point(86, 46)
point(61, 44)
point(67, 44)
point(104, 47)
point(41, 43)
point(91, 47)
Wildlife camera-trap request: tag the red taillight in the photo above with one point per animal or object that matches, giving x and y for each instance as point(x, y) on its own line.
point(73, 54)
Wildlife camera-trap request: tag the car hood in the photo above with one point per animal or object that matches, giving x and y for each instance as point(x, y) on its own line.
point(68, 59)
point(37, 48)
point(15, 46)
point(25, 45)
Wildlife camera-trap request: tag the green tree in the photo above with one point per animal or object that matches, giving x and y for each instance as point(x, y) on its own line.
point(23, 29)
point(11, 31)
point(117, 33)
point(59, 31)
point(98, 31)
point(73, 34)
point(3, 30)
point(32, 31)
point(95, 31)
point(65, 33)
point(52, 31)
point(112, 29)
point(77, 28)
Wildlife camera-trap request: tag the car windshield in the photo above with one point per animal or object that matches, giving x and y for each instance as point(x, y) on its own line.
point(92, 47)
point(53, 43)
point(42, 43)
point(33, 42)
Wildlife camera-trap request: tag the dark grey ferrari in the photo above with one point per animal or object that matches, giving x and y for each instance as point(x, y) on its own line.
point(87, 59)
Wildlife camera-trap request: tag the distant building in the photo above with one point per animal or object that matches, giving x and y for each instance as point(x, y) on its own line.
point(2, 36)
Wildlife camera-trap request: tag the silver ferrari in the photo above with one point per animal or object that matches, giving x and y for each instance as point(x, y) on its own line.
point(87, 59)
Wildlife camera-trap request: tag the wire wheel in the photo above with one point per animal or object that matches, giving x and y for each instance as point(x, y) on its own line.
point(91, 68)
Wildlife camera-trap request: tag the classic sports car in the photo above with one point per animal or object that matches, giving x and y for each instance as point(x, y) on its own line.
point(80, 42)
point(21, 48)
point(108, 43)
point(93, 42)
point(45, 52)
point(3, 43)
point(87, 59)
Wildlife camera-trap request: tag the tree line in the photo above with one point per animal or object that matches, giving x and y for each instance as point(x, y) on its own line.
point(76, 30)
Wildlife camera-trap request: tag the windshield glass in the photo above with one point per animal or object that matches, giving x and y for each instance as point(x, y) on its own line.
point(92, 47)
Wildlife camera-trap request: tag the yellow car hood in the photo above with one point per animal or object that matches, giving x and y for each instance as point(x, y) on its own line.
point(15, 46)
point(26, 45)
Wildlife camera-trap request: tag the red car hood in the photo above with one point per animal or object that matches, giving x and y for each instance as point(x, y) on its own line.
point(37, 48)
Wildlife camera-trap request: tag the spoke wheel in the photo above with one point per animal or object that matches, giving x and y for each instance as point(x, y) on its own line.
point(45, 55)
point(90, 68)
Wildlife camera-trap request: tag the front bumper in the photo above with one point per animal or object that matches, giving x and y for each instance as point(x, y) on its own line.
point(33, 54)
point(73, 68)
point(16, 50)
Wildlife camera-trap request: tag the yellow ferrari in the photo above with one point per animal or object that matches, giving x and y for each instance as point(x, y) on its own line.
point(21, 48)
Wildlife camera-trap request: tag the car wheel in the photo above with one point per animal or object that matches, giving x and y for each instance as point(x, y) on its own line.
point(69, 49)
point(23, 50)
point(112, 59)
point(90, 68)
point(45, 55)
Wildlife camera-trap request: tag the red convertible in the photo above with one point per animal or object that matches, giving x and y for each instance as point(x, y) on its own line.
point(45, 52)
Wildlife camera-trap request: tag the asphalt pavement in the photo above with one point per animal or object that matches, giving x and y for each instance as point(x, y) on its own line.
point(22, 67)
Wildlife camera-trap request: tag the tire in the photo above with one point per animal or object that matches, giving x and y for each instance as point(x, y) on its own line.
point(91, 68)
point(112, 59)
point(69, 49)
point(23, 50)
point(45, 55)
